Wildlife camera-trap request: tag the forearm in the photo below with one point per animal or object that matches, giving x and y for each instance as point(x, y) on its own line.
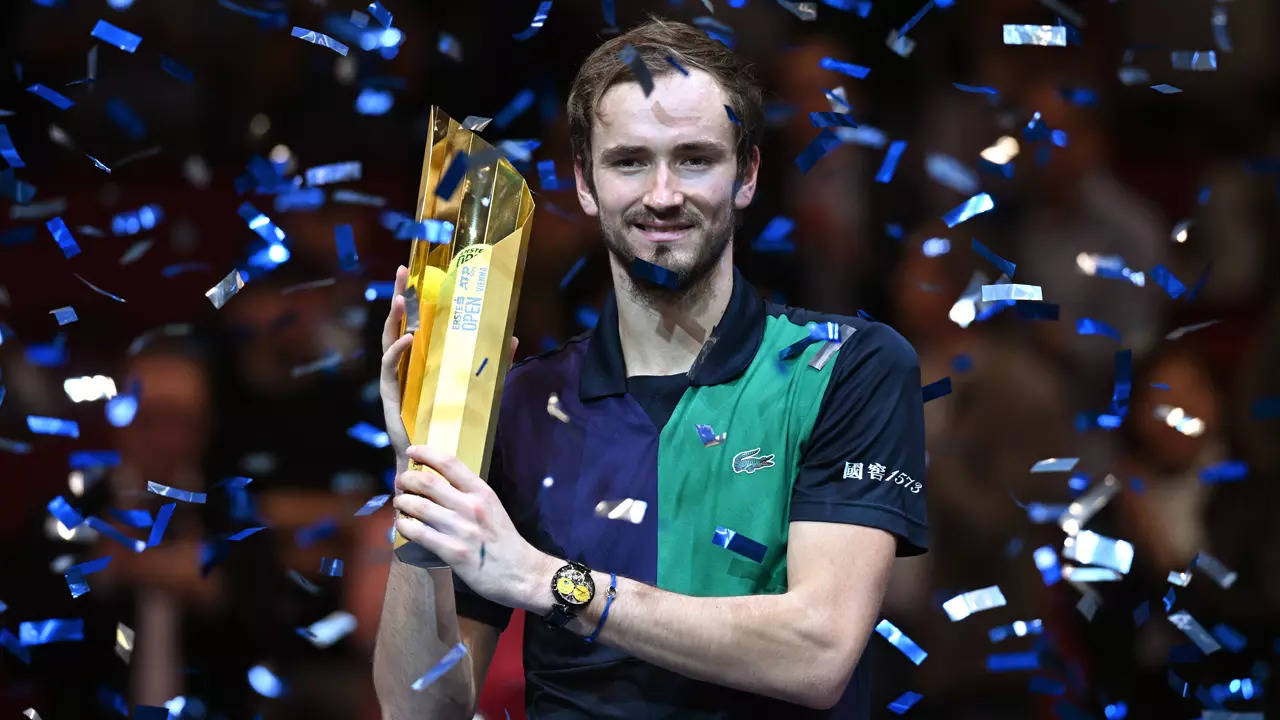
point(764, 644)
point(419, 625)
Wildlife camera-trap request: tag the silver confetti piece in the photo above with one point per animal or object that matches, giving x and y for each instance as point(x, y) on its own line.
point(1194, 60)
point(628, 509)
point(1083, 508)
point(1043, 35)
point(830, 348)
point(475, 123)
point(412, 310)
point(966, 604)
point(1089, 574)
point(1194, 630)
point(225, 289)
point(124, 641)
point(553, 408)
point(1181, 579)
point(1054, 465)
point(1213, 567)
point(1011, 291)
point(1090, 548)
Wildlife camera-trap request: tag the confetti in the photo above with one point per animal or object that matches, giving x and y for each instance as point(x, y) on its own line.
point(330, 629)
point(1166, 89)
point(890, 162)
point(1045, 686)
point(898, 639)
point(64, 315)
point(822, 144)
point(983, 251)
point(320, 39)
point(631, 58)
point(1090, 326)
point(453, 175)
point(451, 658)
point(247, 532)
point(41, 632)
point(331, 567)
point(176, 493)
point(333, 173)
point(950, 172)
point(62, 236)
point(1230, 638)
point(773, 238)
point(265, 683)
point(372, 101)
point(628, 509)
point(380, 13)
point(655, 274)
point(1018, 628)
point(64, 513)
point(372, 504)
point(345, 242)
point(831, 119)
point(1215, 569)
point(740, 544)
point(1093, 549)
point(1224, 471)
point(177, 70)
point(8, 151)
point(1089, 574)
point(975, 205)
point(41, 425)
point(1088, 504)
point(976, 89)
point(1179, 332)
point(901, 45)
point(1181, 579)
point(53, 97)
point(75, 575)
point(369, 435)
point(1006, 662)
point(1044, 35)
point(1011, 291)
point(965, 604)
point(115, 36)
point(13, 645)
point(261, 224)
point(936, 389)
point(1054, 465)
point(904, 702)
point(225, 289)
point(163, 515)
point(539, 18)
point(1193, 60)
point(1195, 631)
point(847, 68)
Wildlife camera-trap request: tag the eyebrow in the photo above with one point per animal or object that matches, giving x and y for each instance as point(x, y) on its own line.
point(709, 147)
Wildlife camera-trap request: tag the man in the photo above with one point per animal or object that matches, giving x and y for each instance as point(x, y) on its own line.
point(746, 571)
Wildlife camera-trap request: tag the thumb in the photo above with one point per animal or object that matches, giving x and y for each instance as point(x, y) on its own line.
point(515, 343)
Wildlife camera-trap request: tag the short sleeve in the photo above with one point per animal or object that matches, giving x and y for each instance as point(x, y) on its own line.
point(469, 603)
point(864, 462)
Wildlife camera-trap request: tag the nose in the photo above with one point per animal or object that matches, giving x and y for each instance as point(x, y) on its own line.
point(664, 193)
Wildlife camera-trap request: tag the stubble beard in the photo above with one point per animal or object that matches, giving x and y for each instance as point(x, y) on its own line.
point(693, 278)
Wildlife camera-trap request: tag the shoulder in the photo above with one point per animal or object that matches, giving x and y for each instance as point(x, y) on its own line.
point(558, 361)
point(871, 344)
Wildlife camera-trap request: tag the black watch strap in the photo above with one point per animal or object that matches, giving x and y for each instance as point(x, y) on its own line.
point(565, 608)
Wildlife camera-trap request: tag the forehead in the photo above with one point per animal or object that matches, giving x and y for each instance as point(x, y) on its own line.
point(679, 109)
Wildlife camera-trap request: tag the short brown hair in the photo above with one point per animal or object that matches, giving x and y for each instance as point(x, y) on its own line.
point(654, 42)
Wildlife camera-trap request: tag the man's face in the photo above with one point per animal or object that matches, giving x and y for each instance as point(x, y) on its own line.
point(664, 170)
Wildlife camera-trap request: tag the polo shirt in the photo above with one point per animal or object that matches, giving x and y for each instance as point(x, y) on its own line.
point(839, 441)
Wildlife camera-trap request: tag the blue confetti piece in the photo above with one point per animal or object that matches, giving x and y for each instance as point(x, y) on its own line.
point(631, 58)
point(917, 17)
point(345, 242)
point(1046, 686)
point(898, 639)
point(451, 658)
point(261, 224)
point(977, 89)
point(436, 232)
point(655, 274)
point(132, 222)
point(1230, 638)
point(380, 13)
point(177, 70)
point(133, 518)
point(265, 683)
point(82, 459)
point(847, 68)
point(163, 515)
point(236, 537)
point(1006, 662)
point(1225, 471)
point(773, 238)
point(733, 117)
point(321, 529)
point(64, 315)
point(816, 149)
point(1160, 386)
point(13, 645)
point(894, 230)
point(539, 18)
point(975, 205)
point(935, 247)
point(109, 530)
point(42, 425)
point(1169, 599)
point(372, 101)
point(1046, 561)
point(1004, 170)
point(379, 290)
point(331, 567)
point(1083, 97)
point(116, 36)
point(334, 173)
point(53, 97)
point(676, 64)
point(1141, 613)
point(75, 575)
point(305, 199)
point(831, 119)
point(936, 389)
point(372, 505)
point(708, 436)
point(961, 363)
point(7, 150)
point(1166, 89)
point(522, 101)
point(42, 632)
point(62, 236)
point(890, 163)
point(1123, 383)
point(16, 190)
point(453, 175)
point(1090, 326)
point(64, 513)
point(1167, 281)
point(985, 252)
point(369, 435)
point(573, 272)
point(1058, 138)
point(904, 702)
point(1193, 59)
point(176, 493)
point(607, 10)
point(547, 175)
point(587, 317)
point(740, 544)
point(1115, 711)
point(319, 38)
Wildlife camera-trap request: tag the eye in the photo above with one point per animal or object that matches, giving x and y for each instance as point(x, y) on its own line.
point(697, 162)
point(625, 163)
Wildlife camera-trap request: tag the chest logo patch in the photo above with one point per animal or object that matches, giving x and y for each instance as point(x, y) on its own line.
point(748, 461)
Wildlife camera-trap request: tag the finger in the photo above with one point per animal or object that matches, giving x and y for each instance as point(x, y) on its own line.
point(428, 512)
point(430, 485)
point(391, 327)
point(391, 357)
point(515, 343)
point(453, 469)
point(428, 537)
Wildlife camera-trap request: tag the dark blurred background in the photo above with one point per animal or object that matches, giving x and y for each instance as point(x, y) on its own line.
point(268, 386)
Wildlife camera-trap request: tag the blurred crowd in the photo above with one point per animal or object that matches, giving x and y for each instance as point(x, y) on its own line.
point(268, 386)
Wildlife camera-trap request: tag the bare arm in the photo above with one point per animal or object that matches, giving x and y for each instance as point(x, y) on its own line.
point(800, 646)
point(419, 625)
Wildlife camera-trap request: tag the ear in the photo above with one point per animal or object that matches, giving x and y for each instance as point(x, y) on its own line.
point(747, 187)
point(586, 198)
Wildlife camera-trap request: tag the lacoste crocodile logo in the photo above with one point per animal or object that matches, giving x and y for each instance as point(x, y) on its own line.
point(748, 462)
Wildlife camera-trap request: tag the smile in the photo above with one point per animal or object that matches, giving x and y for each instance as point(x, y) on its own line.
point(662, 233)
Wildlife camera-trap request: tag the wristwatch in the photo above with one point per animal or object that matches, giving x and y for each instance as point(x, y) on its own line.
point(572, 589)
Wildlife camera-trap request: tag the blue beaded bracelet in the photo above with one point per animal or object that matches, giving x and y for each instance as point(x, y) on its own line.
point(613, 590)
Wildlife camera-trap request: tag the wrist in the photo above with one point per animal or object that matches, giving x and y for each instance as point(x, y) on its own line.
point(537, 584)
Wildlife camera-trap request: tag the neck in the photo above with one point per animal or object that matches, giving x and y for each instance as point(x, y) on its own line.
point(663, 334)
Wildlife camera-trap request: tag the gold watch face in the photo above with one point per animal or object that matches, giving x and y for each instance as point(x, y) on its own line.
point(574, 586)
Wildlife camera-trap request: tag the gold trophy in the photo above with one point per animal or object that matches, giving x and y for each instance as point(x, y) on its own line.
point(460, 300)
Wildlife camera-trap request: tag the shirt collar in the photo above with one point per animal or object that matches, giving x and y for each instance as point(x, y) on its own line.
point(733, 343)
